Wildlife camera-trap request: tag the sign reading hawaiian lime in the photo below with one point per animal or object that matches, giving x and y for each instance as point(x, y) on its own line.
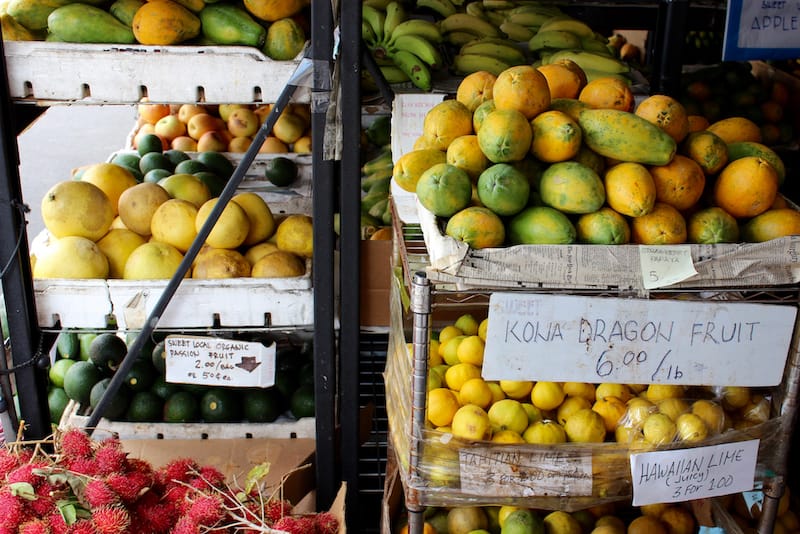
point(213, 361)
point(767, 29)
point(636, 341)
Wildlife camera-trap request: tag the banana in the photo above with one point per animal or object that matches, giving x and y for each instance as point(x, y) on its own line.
point(375, 18)
point(590, 60)
point(593, 74)
point(498, 4)
point(380, 161)
point(420, 47)
point(395, 14)
point(469, 63)
point(423, 28)
point(367, 33)
point(554, 39)
point(416, 69)
point(517, 32)
point(548, 11)
point(376, 182)
point(505, 52)
point(476, 10)
point(460, 38)
point(569, 24)
point(594, 45)
point(393, 74)
point(445, 8)
point(496, 18)
point(377, 4)
point(467, 23)
point(531, 19)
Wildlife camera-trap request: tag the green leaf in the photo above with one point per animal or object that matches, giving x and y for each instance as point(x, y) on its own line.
point(255, 475)
point(68, 512)
point(24, 490)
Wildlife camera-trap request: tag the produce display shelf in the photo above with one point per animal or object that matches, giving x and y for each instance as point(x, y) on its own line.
point(102, 73)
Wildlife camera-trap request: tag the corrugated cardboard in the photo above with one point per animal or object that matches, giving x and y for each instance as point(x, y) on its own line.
point(375, 282)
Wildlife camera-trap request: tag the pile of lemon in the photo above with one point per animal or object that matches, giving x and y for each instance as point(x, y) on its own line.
point(461, 402)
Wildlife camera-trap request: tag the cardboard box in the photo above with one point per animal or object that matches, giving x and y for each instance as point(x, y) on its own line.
point(375, 282)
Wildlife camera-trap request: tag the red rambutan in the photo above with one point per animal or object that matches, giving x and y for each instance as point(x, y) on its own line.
point(275, 509)
point(207, 510)
point(42, 505)
point(111, 519)
point(98, 493)
point(129, 485)
point(155, 519)
point(37, 526)
point(213, 476)
point(295, 525)
point(23, 473)
point(326, 523)
point(57, 523)
point(110, 459)
point(83, 466)
point(186, 525)
point(82, 526)
point(139, 465)
point(75, 443)
point(181, 469)
point(13, 510)
point(8, 461)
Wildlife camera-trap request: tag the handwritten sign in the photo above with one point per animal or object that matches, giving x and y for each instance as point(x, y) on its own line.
point(665, 265)
point(213, 361)
point(688, 474)
point(763, 29)
point(635, 341)
point(408, 114)
point(513, 472)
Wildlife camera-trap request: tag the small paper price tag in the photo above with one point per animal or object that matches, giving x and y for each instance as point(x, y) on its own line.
point(214, 361)
point(665, 265)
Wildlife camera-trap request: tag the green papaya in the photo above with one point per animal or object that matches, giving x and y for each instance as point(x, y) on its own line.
point(33, 13)
point(124, 10)
point(227, 24)
point(82, 23)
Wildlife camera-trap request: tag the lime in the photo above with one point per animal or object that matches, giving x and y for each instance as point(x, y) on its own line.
point(144, 406)
point(217, 163)
point(190, 166)
point(149, 143)
point(141, 375)
point(214, 182)
point(220, 405)
point(262, 405)
point(162, 388)
point(56, 401)
point(280, 171)
point(119, 402)
point(126, 159)
point(79, 380)
point(154, 175)
point(159, 357)
point(176, 156)
point(107, 351)
point(301, 403)
point(181, 407)
point(155, 160)
point(58, 370)
point(85, 340)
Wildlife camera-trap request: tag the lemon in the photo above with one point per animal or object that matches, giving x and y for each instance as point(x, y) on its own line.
point(448, 350)
point(174, 223)
point(442, 406)
point(691, 427)
point(475, 391)
point(507, 436)
point(638, 410)
point(560, 522)
point(547, 395)
point(534, 413)
point(659, 429)
point(434, 380)
point(673, 407)
point(458, 374)
point(230, 229)
point(117, 245)
point(152, 261)
point(111, 178)
point(516, 389)
point(296, 234)
point(609, 389)
point(497, 392)
point(659, 392)
point(70, 257)
point(470, 350)
point(258, 251)
point(504, 512)
point(434, 358)
point(262, 223)
point(448, 332)
point(610, 520)
point(482, 329)
point(611, 409)
point(608, 529)
point(467, 324)
point(545, 432)
point(585, 426)
point(735, 397)
point(628, 434)
point(570, 406)
point(647, 524)
point(579, 389)
point(77, 208)
point(508, 414)
point(711, 413)
point(472, 423)
point(679, 520)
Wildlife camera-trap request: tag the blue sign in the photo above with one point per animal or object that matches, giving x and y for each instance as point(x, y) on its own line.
point(762, 29)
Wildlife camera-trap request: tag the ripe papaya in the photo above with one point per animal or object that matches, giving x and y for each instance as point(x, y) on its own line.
point(624, 136)
point(228, 24)
point(164, 22)
point(124, 10)
point(272, 10)
point(14, 31)
point(285, 39)
point(82, 23)
point(33, 13)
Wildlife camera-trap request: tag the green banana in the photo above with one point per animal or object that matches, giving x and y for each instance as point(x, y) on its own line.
point(476, 10)
point(393, 74)
point(596, 46)
point(420, 47)
point(375, 18)
point(380, 161)
point(569, 24)
point(368, 203)
point(395, 14)
point(593, 74)
point(590, 60)
point(416, 69)
point(444, 8)
point(377, 4)
point(498, 4)
point(496, 18)
point(423, 28)
point(379, 207)
point(517, 32)
point(554, 39)
point(460, 38)
point(469, 63)
point(386, 217)
point(505, 52)
point(377, 184)
point(548, 11)
point(368, 34)
point(531, 19)
point(467, 23)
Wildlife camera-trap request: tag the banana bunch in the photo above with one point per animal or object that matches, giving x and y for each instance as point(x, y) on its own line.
point(376, 177)
point(404, 49)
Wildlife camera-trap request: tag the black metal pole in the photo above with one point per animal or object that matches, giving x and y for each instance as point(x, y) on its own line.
point(667, 52)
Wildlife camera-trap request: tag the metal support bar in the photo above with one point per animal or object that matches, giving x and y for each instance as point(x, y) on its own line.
point(666, 53)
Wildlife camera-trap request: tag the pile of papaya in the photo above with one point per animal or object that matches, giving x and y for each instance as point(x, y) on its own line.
point(276, 27)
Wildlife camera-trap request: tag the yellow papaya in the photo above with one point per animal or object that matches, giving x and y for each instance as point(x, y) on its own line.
point(285, 39)
point(164, 22)
point(272, 10)
point(33, 13)
point(13, 30)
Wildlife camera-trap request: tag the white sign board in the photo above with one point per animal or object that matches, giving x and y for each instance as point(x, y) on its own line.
point(635, 341)
point(511, 472)
point(763, 29)
point(688, 474)
point(213, 361)
point(408, 116)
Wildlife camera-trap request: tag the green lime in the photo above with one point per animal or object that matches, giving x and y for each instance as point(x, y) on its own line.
point(220, 405)
point(155, 160)
point(85, 340)
point(217, 163)
point(280, 171)
point(141, 375)
point(214, 182)
point(79, 380)
point(68, 345)
point(58, 370)
point(181, 407)
point(159, 357)
point(154, 175)
point(145, 406)
point(119, 402)
point(128, 160)
point(149, 143)
point(302, 402)
point(57, 401)
point(262, 405)
point(176, 156)
point(107, 351)
point(164, 389)
point(190, 166)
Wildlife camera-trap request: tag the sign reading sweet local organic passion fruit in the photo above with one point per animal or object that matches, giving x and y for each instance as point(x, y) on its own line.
point(214, 361)
point(636, 341)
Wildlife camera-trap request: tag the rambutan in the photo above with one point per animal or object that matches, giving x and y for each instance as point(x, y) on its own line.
point(42, 505)
point(139, 465)
point(186, 525)
point(207, 510)
point(8, 461)
point(13, 510)
point(36, 526)
point(295, 524)
point(110, 459)
point(98, 493)
point(128, 486)
point(23, 473)
point(213, 476)
point(155, 519)
point(111, 519)
point(83, 466)
point(57, 523)
point(326, 523)
point(75, 443)
point(275, 509)
point(180, 469)
point(82, 526)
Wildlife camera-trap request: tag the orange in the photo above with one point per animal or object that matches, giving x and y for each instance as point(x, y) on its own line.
point(630, 189)
point(735, 129)
point(607, 92)
point(664, 225)
point(746, 187)
point(475, 89)
point(556, 137)
point(679, 183)
point(712, 225)
point(562, 81)
point(522, 88)
point(505, 135)
point(666, 113)
point(707, 149)
point(477, 226)
point(465, 153)
point(445, 121)
point(772, 224)
point(603, 227)
point(697, 123)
